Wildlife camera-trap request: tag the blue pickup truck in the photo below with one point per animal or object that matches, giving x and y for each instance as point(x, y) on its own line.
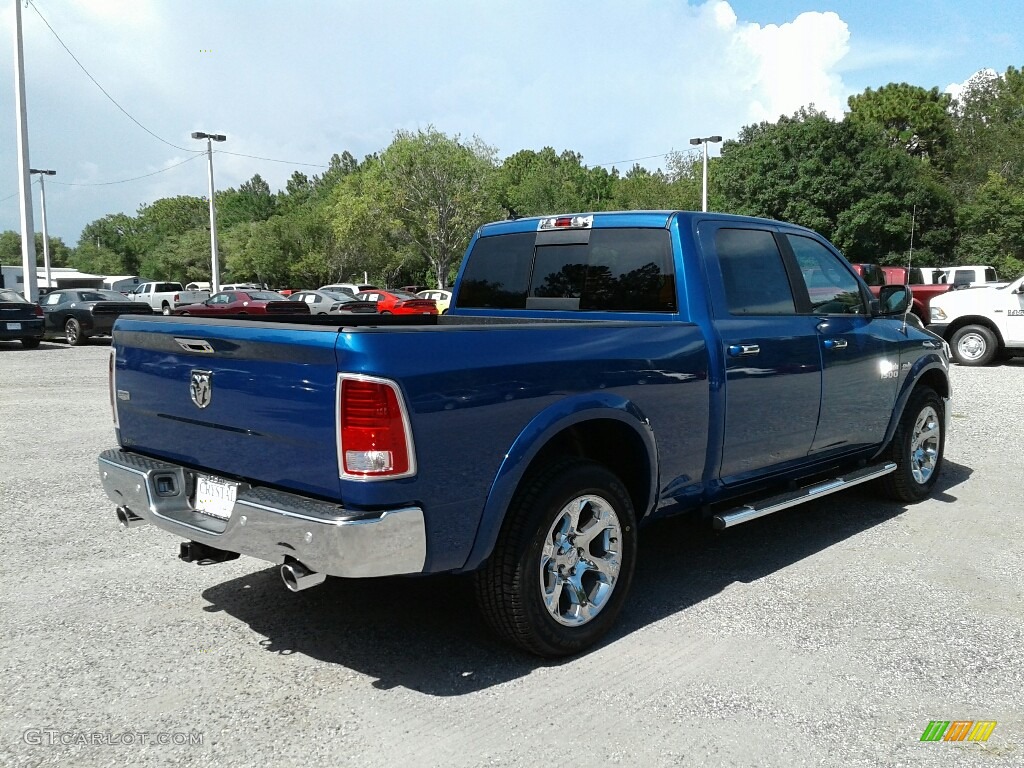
point(594, 372)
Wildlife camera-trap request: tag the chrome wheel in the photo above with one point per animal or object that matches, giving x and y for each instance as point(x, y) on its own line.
point(580, 562)
point(924, 445)
point(72, 332)
point(971, 346)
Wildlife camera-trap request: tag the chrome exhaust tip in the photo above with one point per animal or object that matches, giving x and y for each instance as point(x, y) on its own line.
point(128, 519)
point(298, 577)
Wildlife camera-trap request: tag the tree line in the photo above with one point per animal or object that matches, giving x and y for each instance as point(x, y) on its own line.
point(901, 155)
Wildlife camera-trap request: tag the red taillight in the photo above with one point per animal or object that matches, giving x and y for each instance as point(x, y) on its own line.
point(177, 298)
point(38, 311)
point(375, 440)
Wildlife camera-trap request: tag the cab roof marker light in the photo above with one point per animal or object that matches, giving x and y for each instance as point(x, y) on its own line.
point(566, 222)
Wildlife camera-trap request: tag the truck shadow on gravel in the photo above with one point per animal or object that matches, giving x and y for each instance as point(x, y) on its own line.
point(425, 634)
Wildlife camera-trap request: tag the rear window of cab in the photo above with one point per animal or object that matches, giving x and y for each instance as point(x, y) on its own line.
point(617, 270)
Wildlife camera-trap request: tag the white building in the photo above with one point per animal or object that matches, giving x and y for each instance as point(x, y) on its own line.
point(13, 277)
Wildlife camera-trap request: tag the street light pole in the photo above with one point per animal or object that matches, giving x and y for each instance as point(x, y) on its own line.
point(46, 235)
point(704, 140)
point(214, 264)
point(30, 281)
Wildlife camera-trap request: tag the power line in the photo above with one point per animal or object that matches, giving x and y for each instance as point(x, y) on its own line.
point(5, 199)
point(124, 181)
point(269, 159)
point(102, 89)
point(635, 159)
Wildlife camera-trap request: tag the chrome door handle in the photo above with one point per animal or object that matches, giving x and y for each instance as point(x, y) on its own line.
point(741, 350)
point(835, 343)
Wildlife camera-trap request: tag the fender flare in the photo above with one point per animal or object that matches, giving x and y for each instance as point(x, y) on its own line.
point(933, 362)
point(537, 434)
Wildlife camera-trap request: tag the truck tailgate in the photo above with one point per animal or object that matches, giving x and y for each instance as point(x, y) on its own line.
point(231, 397)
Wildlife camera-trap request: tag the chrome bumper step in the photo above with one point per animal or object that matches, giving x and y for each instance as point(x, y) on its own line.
point(767, 506)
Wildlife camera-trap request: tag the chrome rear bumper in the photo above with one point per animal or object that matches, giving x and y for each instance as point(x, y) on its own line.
point(269, 524)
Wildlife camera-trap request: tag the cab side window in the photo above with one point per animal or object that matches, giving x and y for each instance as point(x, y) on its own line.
point(753, 273)
point(831, 287)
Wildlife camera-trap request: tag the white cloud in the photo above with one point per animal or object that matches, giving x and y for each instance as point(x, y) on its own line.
point(301, 81)
point(794, 64)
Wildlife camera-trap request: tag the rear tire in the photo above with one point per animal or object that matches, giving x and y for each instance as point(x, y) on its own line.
point(974, 345)
point(166, 308)
point(73, 333)
point(917, 448)
point(563, 563)
point(30, 343)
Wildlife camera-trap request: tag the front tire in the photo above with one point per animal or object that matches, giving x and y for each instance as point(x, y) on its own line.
point(918, 447)
point(564, 560)
point(974, 345)
point(73, 333)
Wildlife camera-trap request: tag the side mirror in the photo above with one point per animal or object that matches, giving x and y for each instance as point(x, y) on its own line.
point(893, 300)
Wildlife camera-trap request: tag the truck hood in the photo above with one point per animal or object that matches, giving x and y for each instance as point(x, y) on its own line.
point(962, 298)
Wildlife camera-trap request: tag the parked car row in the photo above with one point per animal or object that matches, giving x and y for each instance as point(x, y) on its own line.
point(75, 315)
point(72, 315)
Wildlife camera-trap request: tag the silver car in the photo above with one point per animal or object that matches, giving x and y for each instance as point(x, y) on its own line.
point(333, 303)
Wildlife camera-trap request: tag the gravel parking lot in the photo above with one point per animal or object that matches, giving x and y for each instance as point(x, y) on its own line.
point(828, 634)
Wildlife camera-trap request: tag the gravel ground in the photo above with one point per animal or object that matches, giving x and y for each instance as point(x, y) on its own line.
point(829, 634)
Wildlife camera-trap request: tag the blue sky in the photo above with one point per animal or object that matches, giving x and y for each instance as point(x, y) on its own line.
point(615, 80)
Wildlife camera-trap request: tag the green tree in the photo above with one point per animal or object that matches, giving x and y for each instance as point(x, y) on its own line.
point(113, 245)
point(992, 227)
point(845, 182)
point(436, 187)
point(340, 166)
point(988, 118)
point(183, 258)
point(371, 237)
point(911, 118)
point(10, 249)
point(259, 251)
point(252, 201)
point(532, 183)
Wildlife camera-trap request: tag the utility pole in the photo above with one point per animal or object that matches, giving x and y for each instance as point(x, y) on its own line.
point(704, 140)
point(46, 235)
point(214, 262)
point(28, 235)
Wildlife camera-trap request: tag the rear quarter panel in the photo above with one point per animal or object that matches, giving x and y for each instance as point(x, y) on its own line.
point(483, 400)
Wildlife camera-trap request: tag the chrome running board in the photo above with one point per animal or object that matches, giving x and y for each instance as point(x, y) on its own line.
point(783, 501)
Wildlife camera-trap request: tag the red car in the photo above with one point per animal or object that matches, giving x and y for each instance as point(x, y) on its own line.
point(244, 303)
point(398, 302)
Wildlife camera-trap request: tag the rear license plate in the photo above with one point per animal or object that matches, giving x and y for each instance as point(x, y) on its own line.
point(215, 497)
point(14, 326)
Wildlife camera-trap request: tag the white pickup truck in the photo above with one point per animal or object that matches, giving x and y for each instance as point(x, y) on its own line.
point(981, 323)
point(164, 297)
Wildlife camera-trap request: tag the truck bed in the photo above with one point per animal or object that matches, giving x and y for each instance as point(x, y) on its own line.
point(271, 420)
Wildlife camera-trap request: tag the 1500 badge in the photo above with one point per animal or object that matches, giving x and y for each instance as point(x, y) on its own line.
point(1016, 313)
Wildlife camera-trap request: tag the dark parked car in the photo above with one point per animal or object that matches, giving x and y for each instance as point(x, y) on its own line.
point(333, 303)
point(75, 314)
point(20, 319)
point(244, 303)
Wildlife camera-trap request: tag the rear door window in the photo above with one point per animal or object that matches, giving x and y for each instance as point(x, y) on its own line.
point(753, 273)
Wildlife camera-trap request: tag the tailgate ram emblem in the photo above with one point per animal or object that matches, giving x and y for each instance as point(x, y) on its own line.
point(201, 387)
